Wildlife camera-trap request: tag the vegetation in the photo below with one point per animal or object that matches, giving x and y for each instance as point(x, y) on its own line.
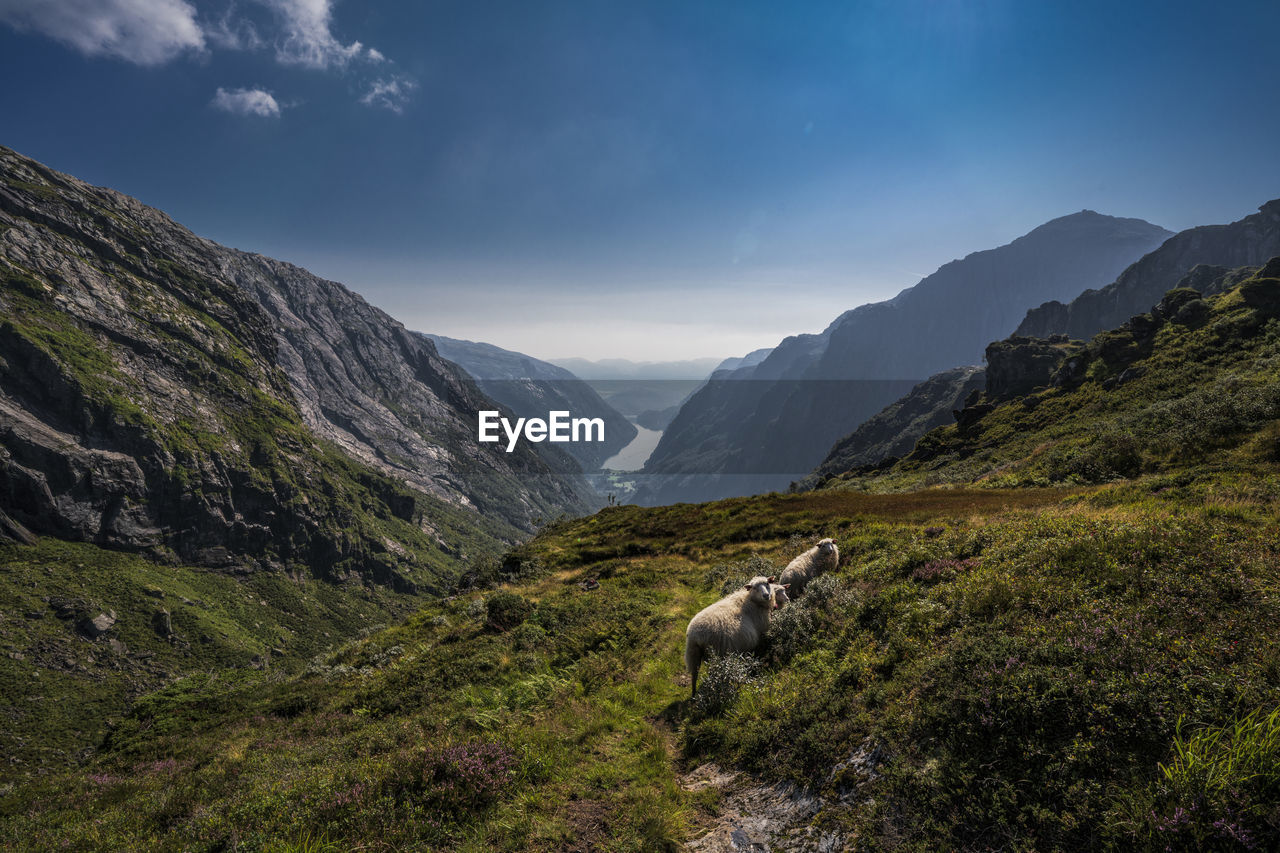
point(1038, 669)
point(1085, 661)
point(1193, 385)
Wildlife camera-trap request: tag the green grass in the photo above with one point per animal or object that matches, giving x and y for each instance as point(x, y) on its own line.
point(1023, 659)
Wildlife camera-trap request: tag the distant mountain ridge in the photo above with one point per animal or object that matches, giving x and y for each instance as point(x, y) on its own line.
point(621, 368)
point(1249, 241)
point(872, 355)
point(532, 388)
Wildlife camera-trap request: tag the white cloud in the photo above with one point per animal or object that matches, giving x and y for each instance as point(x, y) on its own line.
point(247, 102)
point(374, 55)
point(308, 41)
point(392, 93)
point(147, 32)
point(232, 32)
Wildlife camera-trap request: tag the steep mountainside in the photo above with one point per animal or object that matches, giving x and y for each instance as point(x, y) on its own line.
point(894, 431)
point(531, 388)
point(1192, 382)
point(813, 389)
point(164, 393)
point(1250, 241)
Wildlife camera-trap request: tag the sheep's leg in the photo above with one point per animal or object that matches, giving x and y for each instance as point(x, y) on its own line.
point(693, 660)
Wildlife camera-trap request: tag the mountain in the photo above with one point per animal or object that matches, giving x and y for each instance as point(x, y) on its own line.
point(621, 368)
point(751, 359)
point(1188, 384)
point(1250, 241)
point(1084, 662)
point(162, 393)
point(894, 431)
point(532, 388)
point(758, 428)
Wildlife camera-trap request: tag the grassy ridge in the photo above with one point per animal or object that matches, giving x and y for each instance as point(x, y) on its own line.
point(1024, 663)
point(1184, 389)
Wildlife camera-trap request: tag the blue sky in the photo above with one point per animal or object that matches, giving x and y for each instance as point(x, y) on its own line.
point(645, 179)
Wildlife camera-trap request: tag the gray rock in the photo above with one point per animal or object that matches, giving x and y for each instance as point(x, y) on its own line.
point(98, 625)
point(162, 623)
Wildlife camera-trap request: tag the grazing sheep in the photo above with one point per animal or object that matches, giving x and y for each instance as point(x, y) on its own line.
point(735, 623)
point(823, 557)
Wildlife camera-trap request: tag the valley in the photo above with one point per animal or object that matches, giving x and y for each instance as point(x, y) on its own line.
point(264, 591)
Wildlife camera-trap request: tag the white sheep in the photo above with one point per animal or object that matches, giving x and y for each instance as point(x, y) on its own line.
point(823, 557)
point(735, 623)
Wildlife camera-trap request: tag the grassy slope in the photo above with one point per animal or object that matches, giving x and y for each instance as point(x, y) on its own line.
point(1023, 658)
point(1207, 397)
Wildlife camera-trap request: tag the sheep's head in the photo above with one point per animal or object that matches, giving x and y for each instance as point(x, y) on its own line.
point(780, 596)
point(760, 590)
point(827, 546)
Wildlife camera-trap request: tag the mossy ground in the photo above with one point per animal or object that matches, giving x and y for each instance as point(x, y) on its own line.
point(1027, 660)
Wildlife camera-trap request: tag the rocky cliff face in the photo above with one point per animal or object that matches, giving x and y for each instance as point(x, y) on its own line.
point(1248, 242)
point(785, 413)
point(531, 388)
point(161, 392)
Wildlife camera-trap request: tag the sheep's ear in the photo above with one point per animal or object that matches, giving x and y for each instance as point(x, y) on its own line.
point(772, 579)
point(746, 586)
point(786, 586)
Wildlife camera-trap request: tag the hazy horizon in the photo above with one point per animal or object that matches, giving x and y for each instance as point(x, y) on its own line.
point(652, 181)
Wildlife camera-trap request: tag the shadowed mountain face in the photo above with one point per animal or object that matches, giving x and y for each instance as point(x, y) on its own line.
point(161, 392)
point(1250, 241)
point(532, 388)
point(774, 422)
point(893, 431)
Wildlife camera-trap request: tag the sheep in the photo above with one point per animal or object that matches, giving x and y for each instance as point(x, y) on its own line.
point(823, 557)
point(780, 596)
point(735, 623)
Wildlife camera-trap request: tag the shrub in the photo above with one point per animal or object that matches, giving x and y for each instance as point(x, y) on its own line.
point(722, 678)
point(528, 637)
point(460, 780)
point(506, 610)
point(734, 576)
point(789, 630)
point(940, 570)
point(830, 590)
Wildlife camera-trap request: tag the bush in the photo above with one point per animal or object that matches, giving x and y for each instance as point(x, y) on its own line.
point(528, 637)
point(506, 610)
point(789, 630)
point(460, 780)
point(830, 590)
point(722, 678)
point(734, 576)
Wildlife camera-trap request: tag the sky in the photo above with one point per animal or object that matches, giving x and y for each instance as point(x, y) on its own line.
point(647, 179)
